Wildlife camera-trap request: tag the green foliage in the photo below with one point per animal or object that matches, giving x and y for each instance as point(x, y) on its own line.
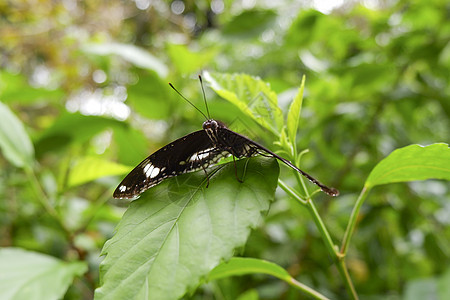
point(294, 113)
point(14, 141)
point(249, 23)
point(90, 168)
point(130, 53)
point(30, 275)
point(251, 95)
point(178, 231)
point(84, 98)
point(412, 163)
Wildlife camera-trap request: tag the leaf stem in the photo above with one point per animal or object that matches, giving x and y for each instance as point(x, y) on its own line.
point(291, 192)
point(305, 289)
point(353, 220)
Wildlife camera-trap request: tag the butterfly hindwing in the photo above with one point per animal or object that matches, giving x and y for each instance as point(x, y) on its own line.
point(187, 154)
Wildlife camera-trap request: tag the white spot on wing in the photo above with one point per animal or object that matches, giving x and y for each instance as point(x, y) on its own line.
point(201, 155)
point(122, 188)
point(151, 171)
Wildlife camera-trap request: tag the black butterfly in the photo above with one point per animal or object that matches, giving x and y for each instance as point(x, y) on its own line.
point(197, 151)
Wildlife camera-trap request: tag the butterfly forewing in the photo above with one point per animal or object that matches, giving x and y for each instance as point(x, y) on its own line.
point(190, 153)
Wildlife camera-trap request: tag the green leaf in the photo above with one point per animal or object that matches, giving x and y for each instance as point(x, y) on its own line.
point(31, 275)
point(250, 23)
point(421, 289)
point(294, 113)
point(14, 140)
point(131, 144)
point(72, 127)
point(187, 61)
point(411, 163)
point(149, 96)
point(15, 88)
point(178, 231)
point(249, 295)
point(238, 266)
point(90, 168)
point(251, 95)
point(135, 55)
point(443, 288)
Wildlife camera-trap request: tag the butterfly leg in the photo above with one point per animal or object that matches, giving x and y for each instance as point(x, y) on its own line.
point(207, 176)
point(235, 170)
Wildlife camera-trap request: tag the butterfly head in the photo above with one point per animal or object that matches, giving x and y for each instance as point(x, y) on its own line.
point(212, 125)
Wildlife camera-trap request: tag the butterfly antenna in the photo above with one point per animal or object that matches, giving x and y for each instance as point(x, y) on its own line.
point(188, 101)
point(204, 96)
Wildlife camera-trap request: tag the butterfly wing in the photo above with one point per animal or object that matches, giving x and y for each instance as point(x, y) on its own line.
point(187, 154)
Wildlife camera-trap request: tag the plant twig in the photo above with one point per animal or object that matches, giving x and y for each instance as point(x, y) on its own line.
point(352, 222)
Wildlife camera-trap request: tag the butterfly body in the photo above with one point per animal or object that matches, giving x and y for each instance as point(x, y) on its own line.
point(190, 153)
point(194, 152)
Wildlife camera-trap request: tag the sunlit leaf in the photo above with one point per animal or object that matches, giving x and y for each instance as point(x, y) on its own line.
point(294, 113)
point(87, 169)
point(14, 140)
point(180, 230)
point(32, 275)
point(251, 95)
point(411, 163)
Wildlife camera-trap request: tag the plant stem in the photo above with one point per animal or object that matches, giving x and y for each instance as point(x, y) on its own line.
point(44, 200)
point(290, 192)
point(337, 257)
point(352, 222)
point(306, 289)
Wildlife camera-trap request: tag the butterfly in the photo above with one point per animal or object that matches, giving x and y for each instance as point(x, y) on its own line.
point(197, 151)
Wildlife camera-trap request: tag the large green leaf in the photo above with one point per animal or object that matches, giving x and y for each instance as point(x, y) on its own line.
point(179, 230)
point(410, 163)
point(251, 95)
point(30, 275)
point(14, 140)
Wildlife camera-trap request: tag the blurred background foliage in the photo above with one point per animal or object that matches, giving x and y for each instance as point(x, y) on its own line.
point(88, 79)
